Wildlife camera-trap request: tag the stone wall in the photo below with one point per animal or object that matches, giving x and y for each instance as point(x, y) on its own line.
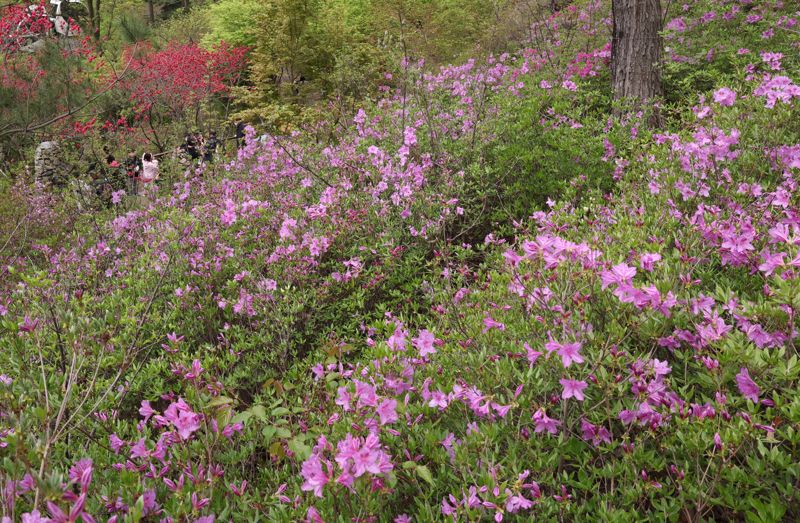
point(48, 164)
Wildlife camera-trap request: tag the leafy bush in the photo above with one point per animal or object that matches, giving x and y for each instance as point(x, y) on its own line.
point(384, 318)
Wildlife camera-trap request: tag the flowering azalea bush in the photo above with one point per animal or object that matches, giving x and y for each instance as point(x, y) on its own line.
point(340, 329)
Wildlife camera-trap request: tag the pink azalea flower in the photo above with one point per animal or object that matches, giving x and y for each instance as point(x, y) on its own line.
point(287, 226)
point(410, 137)
point(490, 323)
point(424, 343)
point(569, 352)
point(747, 387)
point(648, 260)
point(573, 389)
point(182, 418)
point(773, 60)
point(595, 434)
point(725, 97)
point(702, 111)
point(116, 196)
point(771, 262)
point(357, 457)
point(146, 411)
point(34, 517)
point(139, 450)
point(150, 505)
point(387, 411)
point(228, 217)
point(314, 477)
point(116, 443)
point(501, 410)
point(448, 509)
point(512, 258)
point(533, 355)
point(618, 275)
point(312, 516)
point(439, 399)
point(365, 394)
point(343, 398)
point(569, 85)
point(517, 502)
point(777, 89)
point(397, 341)
point(545, 423)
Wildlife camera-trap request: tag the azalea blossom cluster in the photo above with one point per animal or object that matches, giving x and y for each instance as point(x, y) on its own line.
point(478, 499)
point(724, 219)
point(355, 457)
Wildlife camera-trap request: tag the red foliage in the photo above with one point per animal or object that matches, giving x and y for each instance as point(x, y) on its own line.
point(181, 76)
point(19, 22)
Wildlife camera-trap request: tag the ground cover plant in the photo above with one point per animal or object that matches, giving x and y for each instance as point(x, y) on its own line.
point(489, 294)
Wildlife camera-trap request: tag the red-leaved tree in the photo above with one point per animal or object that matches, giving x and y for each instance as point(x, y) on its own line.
point(170, 85)
point(21, 24)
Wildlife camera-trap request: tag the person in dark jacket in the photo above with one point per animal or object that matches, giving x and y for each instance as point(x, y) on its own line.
point(133, 170)
point(210, 147)
point(240, 134)
point(110, 160)
point(190, 147)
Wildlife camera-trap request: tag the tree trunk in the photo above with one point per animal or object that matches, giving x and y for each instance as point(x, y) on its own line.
point(96, 20)
point(151, 14)
point(636, 50)
point(92, 17)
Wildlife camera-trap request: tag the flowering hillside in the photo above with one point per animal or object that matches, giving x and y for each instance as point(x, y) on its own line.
point(481, 297)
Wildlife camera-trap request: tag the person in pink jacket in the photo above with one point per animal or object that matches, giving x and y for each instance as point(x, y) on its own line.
point(149, 169)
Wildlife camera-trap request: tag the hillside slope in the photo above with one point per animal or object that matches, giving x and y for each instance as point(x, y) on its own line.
point(482, 298)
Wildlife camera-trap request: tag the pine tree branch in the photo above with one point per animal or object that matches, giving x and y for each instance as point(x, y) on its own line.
point(68, 113)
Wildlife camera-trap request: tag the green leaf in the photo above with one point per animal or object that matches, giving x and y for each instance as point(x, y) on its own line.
point(300, 449)
point(425, 473)
point(268, 433)
point(280, 411)
point(242, 417)
point(219, 401)
point(259, 412)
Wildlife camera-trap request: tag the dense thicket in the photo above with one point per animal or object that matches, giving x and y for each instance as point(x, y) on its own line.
point(473, 292)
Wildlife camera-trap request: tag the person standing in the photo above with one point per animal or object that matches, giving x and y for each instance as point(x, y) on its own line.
point(190, 147)
point(240, 141)
point(200, 143)
point(111, 162)
point(149, 172)
point(210, 147)
point(133, 168)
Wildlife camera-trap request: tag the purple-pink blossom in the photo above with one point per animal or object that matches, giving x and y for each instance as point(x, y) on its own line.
point(725, 97)
point(569, 352)
point(573, 389)
point(424, 343)
point(544, 423)
point(747, 387)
